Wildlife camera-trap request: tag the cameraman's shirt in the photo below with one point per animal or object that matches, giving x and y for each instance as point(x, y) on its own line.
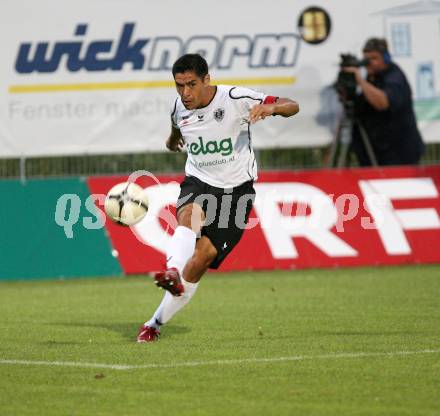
point(217, 137)
point(393, 133)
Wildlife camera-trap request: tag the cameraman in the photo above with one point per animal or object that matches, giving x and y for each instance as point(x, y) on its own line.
point(385, 109)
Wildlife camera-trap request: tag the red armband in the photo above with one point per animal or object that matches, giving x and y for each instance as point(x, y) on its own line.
point(270, 99)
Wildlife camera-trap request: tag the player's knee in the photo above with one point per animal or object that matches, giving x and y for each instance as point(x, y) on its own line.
point(184, 216)
point(211, 254)
point(191, 216)
point(204, 257)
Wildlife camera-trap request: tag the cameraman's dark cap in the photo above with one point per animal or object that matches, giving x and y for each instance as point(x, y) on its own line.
point(376, 45)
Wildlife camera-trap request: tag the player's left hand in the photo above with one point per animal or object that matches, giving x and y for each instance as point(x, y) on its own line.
point(260, 112)
point(175, 144)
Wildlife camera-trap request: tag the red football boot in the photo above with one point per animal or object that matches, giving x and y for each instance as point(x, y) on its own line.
point(148, 334)
point(170, 280)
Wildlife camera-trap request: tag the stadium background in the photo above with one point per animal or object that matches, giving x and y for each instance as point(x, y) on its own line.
point(330, 339)
point(87, 93)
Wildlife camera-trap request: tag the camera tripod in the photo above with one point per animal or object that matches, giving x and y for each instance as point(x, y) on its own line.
point(339, 150)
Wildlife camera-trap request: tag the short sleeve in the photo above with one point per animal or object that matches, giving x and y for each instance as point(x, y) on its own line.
point(397, 92)
point(173, 114)
point(245, 99)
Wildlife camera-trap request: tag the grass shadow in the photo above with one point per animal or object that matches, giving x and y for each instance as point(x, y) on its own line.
point(127, 330)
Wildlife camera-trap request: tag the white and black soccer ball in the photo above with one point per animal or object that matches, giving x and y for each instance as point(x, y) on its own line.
point(126, 203)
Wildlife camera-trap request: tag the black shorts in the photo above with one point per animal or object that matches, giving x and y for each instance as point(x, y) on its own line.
point(226, 210)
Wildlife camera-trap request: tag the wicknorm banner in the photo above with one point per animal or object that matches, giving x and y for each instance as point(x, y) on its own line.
point(95, 77)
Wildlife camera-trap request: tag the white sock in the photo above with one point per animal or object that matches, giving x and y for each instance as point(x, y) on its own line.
point(179, 251)
point(181, 248)
point(170, 305)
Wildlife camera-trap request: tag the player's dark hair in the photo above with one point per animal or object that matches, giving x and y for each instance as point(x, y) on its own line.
point(191, 62)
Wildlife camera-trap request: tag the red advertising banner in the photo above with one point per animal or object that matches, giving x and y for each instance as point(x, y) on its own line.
point(302, 219)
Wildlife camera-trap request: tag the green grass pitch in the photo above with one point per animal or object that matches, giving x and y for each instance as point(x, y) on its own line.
point(316, 342)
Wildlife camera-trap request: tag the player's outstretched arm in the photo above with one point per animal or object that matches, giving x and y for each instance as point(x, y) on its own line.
point(175, 141)
point(282, 107)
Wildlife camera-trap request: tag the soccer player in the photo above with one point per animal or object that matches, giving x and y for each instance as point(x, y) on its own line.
point(217, 194)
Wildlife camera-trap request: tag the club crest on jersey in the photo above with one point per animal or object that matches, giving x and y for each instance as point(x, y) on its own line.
point(219, 114)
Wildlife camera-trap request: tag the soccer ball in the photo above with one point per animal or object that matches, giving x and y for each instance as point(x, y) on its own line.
point(126, 203)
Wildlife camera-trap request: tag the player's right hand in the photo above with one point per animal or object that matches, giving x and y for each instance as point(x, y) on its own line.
point(260, 112)
point(175, 145)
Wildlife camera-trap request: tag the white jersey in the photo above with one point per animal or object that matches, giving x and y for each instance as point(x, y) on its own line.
point(217, 137)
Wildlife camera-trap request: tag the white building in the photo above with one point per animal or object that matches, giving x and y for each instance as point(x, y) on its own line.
point(413, 33)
